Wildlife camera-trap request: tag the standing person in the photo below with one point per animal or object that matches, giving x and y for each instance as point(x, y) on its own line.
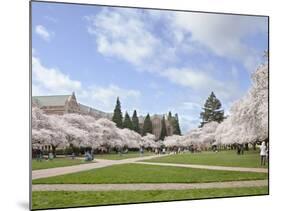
point(92, 153)
point(40, 155)
point(37, 151)
point(238, 149)
point(141, 151)
point(241, 149)
point(51, 156)
point(263, 153)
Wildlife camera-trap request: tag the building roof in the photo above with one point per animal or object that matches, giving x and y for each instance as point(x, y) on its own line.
point(95, 112)
point(53, 100)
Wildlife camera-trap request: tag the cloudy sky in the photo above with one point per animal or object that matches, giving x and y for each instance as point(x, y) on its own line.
point(156, 61)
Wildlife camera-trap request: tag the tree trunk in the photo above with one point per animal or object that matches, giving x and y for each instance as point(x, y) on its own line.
point(54, 151)
point(247, 147)
point(254, 146)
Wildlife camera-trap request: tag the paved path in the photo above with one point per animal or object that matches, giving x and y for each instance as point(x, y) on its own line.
point(151, 186)
point(43, 173)
point(225, 168)
point(100, 163)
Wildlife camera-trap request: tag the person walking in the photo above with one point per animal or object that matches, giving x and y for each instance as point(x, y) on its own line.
point(263, 153)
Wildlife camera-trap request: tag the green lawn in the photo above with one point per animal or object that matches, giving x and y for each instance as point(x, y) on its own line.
point(60, 199)
point(222, 158)
point(115, 156)
point(141, 173)
point(57, 162)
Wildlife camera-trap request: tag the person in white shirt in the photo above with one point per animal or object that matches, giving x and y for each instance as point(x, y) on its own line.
point(263, 152)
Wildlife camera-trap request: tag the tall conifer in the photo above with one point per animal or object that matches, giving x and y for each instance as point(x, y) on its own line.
point(117, 114)
point(212, 110)
point(127, 122)
point(135, 122)
point(147, 125)
point(163, 133)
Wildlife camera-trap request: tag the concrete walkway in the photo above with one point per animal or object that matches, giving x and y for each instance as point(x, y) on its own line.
point(148, 186)
point(225, 168)
point(100, 163)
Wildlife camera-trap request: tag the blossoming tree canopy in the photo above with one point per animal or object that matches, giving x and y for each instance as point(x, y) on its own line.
point(248, 121)
point(173, 141)
point(148, 141)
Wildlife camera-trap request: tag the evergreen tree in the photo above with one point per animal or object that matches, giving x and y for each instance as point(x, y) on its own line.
point(170, 117)
point(212, 110)
point(163, 133)
point(176, 125)
point(117, 114)
point(135, 122)
point(127, 122)
point(147, 125)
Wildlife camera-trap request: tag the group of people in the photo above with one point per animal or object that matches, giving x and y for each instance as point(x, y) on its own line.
point(160, 151)
point(89, 156)
point(40, 155)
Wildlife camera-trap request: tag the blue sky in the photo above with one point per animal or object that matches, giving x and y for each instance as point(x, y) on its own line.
point(155, 61)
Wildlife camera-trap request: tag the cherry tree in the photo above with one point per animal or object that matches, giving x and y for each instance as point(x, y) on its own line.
point(207, 135)
point(56, 133)
point(39, 119)
point(73, 130)
point(148, 141)
point(173, 141)
point(129, 138)
point(40, 137)
point(248, 121)
point(108, 134)
point(192, 137)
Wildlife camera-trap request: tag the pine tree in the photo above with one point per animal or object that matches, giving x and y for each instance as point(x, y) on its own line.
point(147, 125)
point(212, 110)
point(170, 117)
point(163, 133)
point(127, 122)
point(176, 125)
point(117, 114)
point(135, 122)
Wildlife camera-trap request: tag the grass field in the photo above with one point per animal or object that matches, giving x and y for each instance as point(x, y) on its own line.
point(222, 158)
point(115, 156)
point(57, 162)
point(59, 199)
point(141, 173)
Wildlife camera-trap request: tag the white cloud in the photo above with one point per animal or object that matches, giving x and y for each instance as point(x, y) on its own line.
point(191, 78)
point(191, 106)
point(46, 81)
point(122, 34)
point(52, 79)
point(105, 97)
point(127, 35)
point(222, 34)
point(43, 32)
point(202, 82)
